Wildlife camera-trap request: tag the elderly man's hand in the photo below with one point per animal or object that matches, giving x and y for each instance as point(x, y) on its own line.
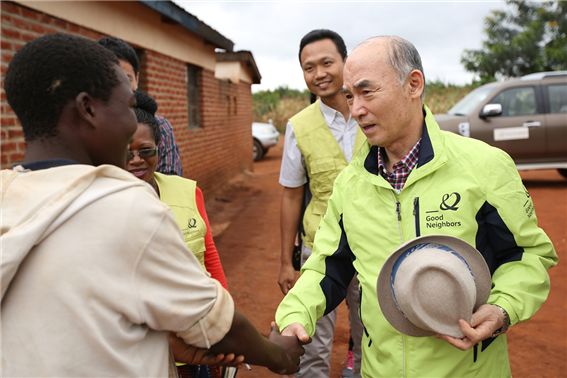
point(485, 321)
point(192, 355)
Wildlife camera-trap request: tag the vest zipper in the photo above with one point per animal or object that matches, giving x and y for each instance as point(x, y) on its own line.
point(416, 216)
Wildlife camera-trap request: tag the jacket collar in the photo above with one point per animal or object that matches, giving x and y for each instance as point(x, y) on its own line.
point(431, 155)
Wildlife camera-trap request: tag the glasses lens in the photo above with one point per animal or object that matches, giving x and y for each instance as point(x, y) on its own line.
point(131, 155)
point(147, 153)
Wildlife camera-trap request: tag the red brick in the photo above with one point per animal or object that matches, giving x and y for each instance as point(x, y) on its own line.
point(38, 28)
point(19, 46)
point(50, 31)
point(5, 121)
point(17, 133)
point(10, 146)
point(10, 7)
point(28, 37)
point(6, 46)
point(6, 18)
point(10, 33)
point(45, 19)
point(4, 160)
point(59, 23)
point(7, 58)
point(21, 23)
point(22, 146)
point(30, 14)
point(74, 28)
point(17, 157)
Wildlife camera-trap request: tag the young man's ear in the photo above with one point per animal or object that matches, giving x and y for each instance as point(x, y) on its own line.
point(86, 108)
point(417, 83)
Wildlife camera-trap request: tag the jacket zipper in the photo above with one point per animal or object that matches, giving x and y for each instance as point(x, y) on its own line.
point(416, 216)
point(399, 214)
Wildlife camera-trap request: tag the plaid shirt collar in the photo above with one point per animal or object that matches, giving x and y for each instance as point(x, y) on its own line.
point(402, 169)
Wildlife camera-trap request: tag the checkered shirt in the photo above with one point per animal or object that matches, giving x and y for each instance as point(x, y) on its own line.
point(169, 160)
point(402, 169)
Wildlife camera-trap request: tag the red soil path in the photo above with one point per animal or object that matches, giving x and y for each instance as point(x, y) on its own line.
point(245, 223)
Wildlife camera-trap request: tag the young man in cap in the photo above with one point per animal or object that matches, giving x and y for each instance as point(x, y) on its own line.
point(95, 272)
point(319, 142)
point(169, 160)
point(407, 172)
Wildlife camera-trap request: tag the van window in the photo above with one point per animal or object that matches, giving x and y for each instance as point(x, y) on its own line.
point(516, 101)
point(557, 98)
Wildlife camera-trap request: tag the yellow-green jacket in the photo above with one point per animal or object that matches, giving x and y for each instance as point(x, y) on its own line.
point(324, 160)
point(460, 187)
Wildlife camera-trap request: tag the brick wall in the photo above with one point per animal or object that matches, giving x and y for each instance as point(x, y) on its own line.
point(21, 25)
point(211, 154)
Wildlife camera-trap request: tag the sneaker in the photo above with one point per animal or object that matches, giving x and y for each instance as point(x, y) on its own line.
point(348, 370)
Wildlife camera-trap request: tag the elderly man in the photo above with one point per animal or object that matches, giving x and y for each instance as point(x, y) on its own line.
point(407, 172)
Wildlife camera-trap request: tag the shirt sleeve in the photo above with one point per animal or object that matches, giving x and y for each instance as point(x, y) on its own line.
point(169, 160)
point(292, 173)
point(326, 274)
point(173, 291)
point(212, 259)
point(520, 282)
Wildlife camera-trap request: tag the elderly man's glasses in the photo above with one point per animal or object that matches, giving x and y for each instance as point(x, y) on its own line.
point(144, 153)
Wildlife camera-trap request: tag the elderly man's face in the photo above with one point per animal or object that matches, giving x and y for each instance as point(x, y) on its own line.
point(375, 98)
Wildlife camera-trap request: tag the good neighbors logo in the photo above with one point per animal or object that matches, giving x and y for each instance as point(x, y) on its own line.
point(439, 220)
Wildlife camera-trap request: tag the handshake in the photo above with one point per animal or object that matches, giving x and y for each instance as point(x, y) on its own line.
point(244, 344)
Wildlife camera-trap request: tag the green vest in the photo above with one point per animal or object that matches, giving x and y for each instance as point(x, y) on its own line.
point(179, 194)
point(324, 160)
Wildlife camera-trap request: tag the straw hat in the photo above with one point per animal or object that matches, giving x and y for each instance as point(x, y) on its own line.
point(431, 282)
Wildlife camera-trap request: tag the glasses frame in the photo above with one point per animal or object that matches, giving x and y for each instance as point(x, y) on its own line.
point(153, 152)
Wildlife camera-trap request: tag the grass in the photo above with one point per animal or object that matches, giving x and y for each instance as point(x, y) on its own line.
point(282, 112)
point(439, 97)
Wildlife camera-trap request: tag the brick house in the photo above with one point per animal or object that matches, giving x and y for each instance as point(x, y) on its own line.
point(205, 94)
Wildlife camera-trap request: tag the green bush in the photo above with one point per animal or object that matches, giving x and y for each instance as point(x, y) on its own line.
point(283, 103)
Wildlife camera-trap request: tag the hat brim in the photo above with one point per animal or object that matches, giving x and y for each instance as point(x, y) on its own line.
point(468, 252)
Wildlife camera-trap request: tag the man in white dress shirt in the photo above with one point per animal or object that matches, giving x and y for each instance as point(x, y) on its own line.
point(319, 142)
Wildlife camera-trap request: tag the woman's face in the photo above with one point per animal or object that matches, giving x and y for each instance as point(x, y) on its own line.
point(142, 167)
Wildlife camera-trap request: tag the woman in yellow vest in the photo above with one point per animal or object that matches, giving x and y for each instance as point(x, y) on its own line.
point(183, 197)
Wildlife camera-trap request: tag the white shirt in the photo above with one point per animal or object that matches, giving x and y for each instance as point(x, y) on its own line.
point(104, 274)
point(293, 173)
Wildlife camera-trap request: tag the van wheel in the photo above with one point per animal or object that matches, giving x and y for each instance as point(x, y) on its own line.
point(563, 172)
point(258, 151)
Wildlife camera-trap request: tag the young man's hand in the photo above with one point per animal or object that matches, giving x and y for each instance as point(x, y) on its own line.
point(192, 355)
point(291, 348)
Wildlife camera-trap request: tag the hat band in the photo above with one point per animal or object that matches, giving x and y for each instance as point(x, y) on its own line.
point(416, 248)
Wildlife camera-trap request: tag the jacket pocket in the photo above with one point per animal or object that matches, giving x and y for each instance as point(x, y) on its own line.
point(323, 174)
point(360, 316)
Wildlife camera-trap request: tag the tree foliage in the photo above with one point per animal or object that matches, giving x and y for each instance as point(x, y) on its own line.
point(531, 37)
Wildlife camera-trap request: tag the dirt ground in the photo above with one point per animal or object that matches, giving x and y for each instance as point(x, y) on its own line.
point(245, 223)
